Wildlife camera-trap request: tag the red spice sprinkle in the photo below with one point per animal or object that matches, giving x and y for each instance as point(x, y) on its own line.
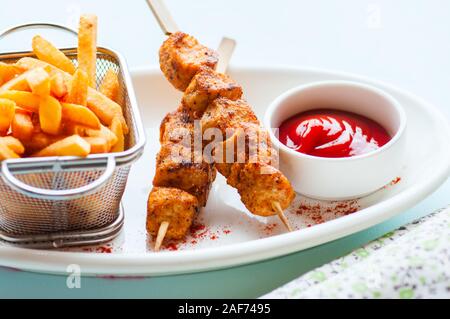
point(197, 227)
point(198, 231)
point(171, 246)
point(270, 227)
point(104, 249)
point(395, 181)
point(200, 235)
point(320, 213)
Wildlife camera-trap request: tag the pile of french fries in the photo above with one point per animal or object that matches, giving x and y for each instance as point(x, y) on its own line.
point(50, 107)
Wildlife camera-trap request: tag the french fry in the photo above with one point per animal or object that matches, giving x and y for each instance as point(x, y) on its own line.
point(36, 122)
point(18, 83)
point(71, 128)
point(6, 152)
point(50, 114)
point(28, 63)
point(116, 128)
point(98, 144)
point(22, 126)
point(78, 88)
point(70, 146)
point(104, 132)
point(105, 109)
point(48, 107)
point(13, 143)
point(9, 71)
point(39, 81)
point(26, 100)
point(102, 106)
point(45, 51)
point(110, 85)
point(39, 141)
point(7, 110)
point(80, 114)
point(87, 46)
point(57, 86)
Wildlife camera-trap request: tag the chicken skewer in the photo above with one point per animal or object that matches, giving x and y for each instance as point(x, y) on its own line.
point(164, 200)
point(183, 178)
point(264, 190)
point(183, 58)
point(205, 89)
point(206, 86)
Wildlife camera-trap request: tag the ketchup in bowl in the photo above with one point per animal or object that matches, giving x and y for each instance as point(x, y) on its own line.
point(332, 133)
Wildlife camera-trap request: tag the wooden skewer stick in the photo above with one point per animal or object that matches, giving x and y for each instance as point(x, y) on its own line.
point(161, 234)
point(280, 213)
point(168, 26)
point(163, 16)
point(225, 51)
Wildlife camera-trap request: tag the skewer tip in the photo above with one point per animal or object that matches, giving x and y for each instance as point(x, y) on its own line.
point(161, 234)
point(163, 16)
point(283, 217)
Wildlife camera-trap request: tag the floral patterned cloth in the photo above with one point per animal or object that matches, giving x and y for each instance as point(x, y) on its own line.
point(412, 262)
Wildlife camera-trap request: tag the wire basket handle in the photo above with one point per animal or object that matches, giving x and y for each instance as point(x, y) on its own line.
point(34, 25)
point(64, 194)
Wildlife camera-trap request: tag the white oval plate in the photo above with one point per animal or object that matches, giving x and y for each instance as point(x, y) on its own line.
point(225, 234)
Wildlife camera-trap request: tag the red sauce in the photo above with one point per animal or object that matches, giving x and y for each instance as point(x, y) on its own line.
point(332, 133)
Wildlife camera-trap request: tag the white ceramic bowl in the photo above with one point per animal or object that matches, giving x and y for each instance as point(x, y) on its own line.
point(348, 177)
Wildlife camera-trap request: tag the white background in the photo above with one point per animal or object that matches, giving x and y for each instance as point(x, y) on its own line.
point(403, 42)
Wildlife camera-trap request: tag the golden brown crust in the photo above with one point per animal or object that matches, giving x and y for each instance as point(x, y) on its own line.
point(174, 126)
point(216, 99)
point(224, 114)
point(178, 163)
point(237, 119)
point(171, 205)
point(181, 56)
point(206, 86)
point(181, 167)
point(251, 167)
point(260, 185)
point(249, 144)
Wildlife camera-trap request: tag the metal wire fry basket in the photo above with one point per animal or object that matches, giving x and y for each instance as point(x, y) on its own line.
point(67, 201)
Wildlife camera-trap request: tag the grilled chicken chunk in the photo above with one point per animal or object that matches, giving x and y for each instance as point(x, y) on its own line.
point(245, 141)
point(171, 205)
point(206, 86)
point(174, 126)
point(249, 144)
point(247, 158)
point(179, 166)
point(226, 114)
point(178, 163)
point(181, 56)
point(261, 185)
